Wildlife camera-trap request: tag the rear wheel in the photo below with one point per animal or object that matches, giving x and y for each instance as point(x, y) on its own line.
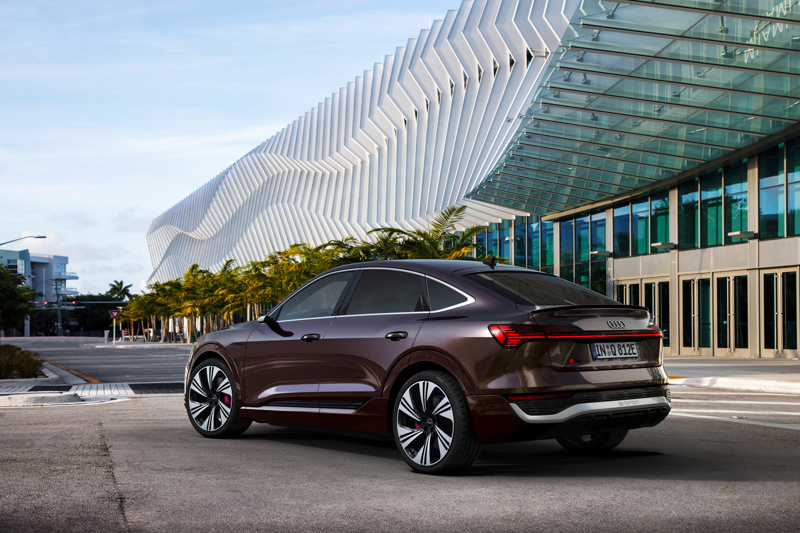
point(432, 424)
point(211, 401)
point(594, 443)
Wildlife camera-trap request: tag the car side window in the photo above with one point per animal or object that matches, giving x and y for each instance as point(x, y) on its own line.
point(318, 299)
point(441, 296)
point(387, 291)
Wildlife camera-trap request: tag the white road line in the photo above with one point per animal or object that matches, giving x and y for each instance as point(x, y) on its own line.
point(795, 427)
point(738, 393)
point(742, 402)
point(738, 411)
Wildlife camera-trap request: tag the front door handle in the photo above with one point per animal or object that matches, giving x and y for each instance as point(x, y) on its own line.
point(310, 337)
point(396, 335)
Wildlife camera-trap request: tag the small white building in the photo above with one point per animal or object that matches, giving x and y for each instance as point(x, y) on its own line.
point(48, 275)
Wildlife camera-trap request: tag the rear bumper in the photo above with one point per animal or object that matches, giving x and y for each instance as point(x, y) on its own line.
point(496, 419)
point(594, 409)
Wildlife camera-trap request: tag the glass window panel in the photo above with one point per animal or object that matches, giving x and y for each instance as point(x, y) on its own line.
point(533, 245)
point(740, 312)
point(640, 227)
point(735, 200)
point(686, 313)
point(504, 229)
point(789, 308)
point(582, 275)
point(634, 294)
point(622, 231)
point(567, 272)
point(491, 239)
point(480, 244)
point(711, 210)
point(704, 312)
point(387, 291)
point(598, 272)
point(442, 296)
point(771, 195)
point(520, 255)
point(599, 231)
point(722, 312)
point(659, 209)
point(582, 239)
point(567, 242)
point(663, 309)
point(793, 186)
point(318, 299)
point(770, 310)
point(547, 239)
point(687, 215)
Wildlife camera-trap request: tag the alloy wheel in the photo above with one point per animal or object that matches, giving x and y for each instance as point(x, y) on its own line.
point(424, 423)
point(210, 398)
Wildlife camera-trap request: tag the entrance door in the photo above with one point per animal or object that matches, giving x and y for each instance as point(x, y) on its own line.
point(696, 319)
point(628, 293)
point(779, 310)
point(656, 299)
point(731, 316)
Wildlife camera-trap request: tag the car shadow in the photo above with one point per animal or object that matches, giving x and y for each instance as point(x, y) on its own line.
point(637, 459)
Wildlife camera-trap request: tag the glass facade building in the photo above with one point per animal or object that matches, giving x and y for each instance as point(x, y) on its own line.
point(646, 149)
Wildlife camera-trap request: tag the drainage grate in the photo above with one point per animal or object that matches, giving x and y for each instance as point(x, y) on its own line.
point(50, 388)
point(157, 388)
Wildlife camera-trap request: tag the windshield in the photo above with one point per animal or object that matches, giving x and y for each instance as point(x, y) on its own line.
point(538, 290)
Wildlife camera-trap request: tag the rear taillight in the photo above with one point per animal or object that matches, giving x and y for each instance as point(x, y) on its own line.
point(512, 335)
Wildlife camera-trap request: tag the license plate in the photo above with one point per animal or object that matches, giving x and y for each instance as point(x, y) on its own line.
point(614, 350)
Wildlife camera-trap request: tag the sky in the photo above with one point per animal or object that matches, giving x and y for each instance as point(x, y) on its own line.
point(111, 112)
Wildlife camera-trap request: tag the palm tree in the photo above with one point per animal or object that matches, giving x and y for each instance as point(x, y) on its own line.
point(441, 241)
point(119, 290)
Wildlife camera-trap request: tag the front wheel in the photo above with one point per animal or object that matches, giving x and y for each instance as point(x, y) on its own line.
point(211, 401)
point(432, 424)
point(594, 443)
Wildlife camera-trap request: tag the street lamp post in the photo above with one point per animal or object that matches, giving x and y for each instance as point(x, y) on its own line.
point(26, 237)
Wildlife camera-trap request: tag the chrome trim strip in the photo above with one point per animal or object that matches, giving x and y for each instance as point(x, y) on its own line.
point(284, 409)
point(581, 409)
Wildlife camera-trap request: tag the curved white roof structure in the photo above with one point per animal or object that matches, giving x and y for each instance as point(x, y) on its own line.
point(415, 134)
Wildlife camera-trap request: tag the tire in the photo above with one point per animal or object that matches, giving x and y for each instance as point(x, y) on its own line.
point(211, 401)
point(594, 443)
point(432, 425)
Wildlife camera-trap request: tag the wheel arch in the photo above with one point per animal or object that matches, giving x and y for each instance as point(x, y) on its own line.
point(419, 362)
point(215, 351)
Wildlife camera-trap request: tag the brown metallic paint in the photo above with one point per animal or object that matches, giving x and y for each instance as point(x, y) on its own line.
point(366, 366)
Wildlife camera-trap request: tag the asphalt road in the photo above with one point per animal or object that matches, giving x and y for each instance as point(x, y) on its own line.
point(123, 363)
point(138, 466)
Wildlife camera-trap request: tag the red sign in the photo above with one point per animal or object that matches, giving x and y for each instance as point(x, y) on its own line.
point(115, 313)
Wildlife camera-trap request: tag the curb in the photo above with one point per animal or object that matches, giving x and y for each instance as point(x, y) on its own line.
point(740, 384)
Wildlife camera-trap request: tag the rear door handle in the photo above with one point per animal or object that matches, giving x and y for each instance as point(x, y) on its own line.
point(396, 335)
point(310, 337)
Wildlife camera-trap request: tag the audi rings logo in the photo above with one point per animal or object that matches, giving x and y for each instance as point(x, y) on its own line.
point(616, 324)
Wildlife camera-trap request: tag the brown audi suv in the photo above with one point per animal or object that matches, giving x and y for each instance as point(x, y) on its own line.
point(442, 356)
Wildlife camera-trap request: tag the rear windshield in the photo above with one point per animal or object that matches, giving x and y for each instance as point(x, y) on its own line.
point(538, 290)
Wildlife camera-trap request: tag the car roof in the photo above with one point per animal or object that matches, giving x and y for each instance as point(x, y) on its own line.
point(433, 266)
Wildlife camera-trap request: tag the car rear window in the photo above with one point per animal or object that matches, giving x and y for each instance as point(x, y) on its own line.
point(538, 290)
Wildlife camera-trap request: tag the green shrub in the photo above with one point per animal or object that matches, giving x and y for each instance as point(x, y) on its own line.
point(16, 363)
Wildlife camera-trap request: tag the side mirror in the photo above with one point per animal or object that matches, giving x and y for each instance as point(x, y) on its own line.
point(274, 326)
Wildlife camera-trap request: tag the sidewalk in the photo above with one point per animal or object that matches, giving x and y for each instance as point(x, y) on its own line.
point(762, 375)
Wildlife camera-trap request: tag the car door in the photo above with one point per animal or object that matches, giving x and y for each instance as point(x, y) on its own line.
point(281, 364)
point(377, 326)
